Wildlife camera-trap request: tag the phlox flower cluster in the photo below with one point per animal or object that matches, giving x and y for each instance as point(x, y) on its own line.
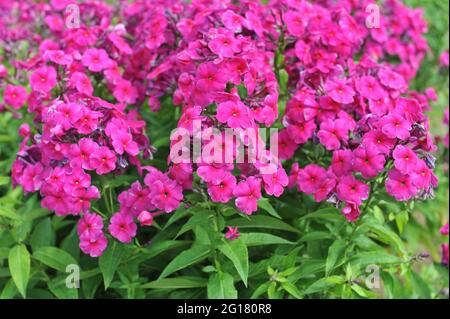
point(362, 111)
point(220, 61)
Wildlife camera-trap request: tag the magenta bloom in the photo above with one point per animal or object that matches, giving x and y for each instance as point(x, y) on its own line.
point(57, 201)
point(43, 79)
point(339, 91)
point(145, 218)
point(210, 78)
point(232, 21)
point(248, 192)
point(80, 154)
point(350, 189)
point(15, 96)
point(135, 200)
point(32, 178)
point(224, 45)
point(331, 133)
point(232, 233)
point(324, 189)
point(444, 230)
point(368, 161)
point(301, 132)
point(422, 176)
point(122, 227)
point(123, 142)
point(125, 92)
point(274, 184)
point(396, 126)
point(93, 245)
point(221, 189)
point(391, 79)
point(166, 195)
point(342, 163)
point(96, 60)
point(351, 211)
point(377, 139)
point(294, 23)
point(236, 115)
point(405, 160)
point(103, 160)
point(311, 178)
point(76, 179)
point(82, 197)
point(444, 249)
point(400, 186)
point(88, 121)
point(370, 88)
point(90, 224)
point(82, 83)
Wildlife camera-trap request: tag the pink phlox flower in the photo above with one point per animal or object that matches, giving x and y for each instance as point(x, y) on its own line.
point(400, 186)
point(103, 160)
point(96, 60)
point(236, 115)
point(93, 245)
point(340, 91)
point(342, 162)
point(368, 161)
point(232, 233)
point(247, 194)
point(166, 195)
point(221, 188)
point(405, 160)
point(15, 96)
point(311, 178)
point(274, 184)
point(351, 211)
point(90, 224)
point(122, 227)
point(43, 79)
point(331, 133)
point(350, 189)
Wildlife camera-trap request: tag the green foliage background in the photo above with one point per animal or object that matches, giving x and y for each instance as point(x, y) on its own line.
point(291, 248)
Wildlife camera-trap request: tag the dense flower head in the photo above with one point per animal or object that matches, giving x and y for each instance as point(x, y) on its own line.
point(311, 68)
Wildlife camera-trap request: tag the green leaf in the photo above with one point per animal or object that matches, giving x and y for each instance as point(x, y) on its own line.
point(42, 235)
point(261, 221)
point(260, 290)
point(201, 218)
point(315, 235)
point(9, 290)
point(4, 180)
point(187, 258)
point(237, 252)
point(162, 246)
point(9, 213)
point(264, 204)
point(376, 258)
point(221, 286)
point(334, 253)
point(260, 239)
point(54, 257)
point(176, 283)
point(420, 287)
point(363, 292)
point(19, 267)
point(401, 220)
point(325, 215)
point(59, 288)
point(283, 77)
point(292, 290)
point(109, 262)
point(389, 237)
point(324, 284)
